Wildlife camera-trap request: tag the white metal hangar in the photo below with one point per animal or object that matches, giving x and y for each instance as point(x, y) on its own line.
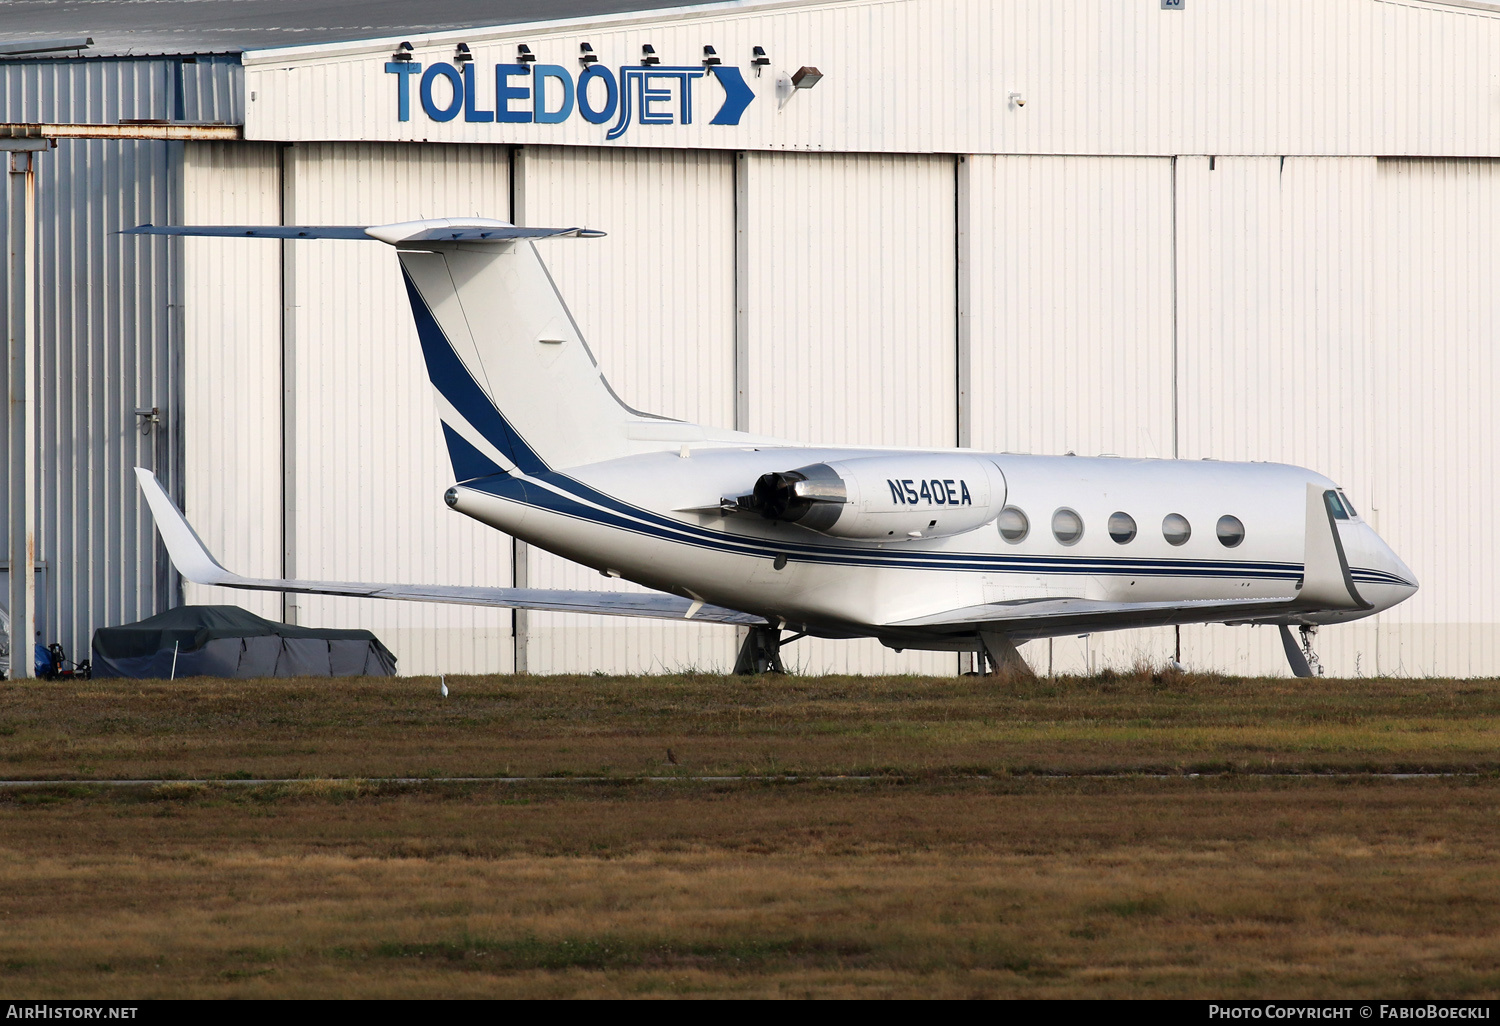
point(1149, 228)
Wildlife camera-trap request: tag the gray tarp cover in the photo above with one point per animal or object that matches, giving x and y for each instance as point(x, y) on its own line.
point(227, 641)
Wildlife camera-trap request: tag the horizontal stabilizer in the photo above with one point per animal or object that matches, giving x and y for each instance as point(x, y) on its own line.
point(401, 234)
point(196, 564)
point(257, 231)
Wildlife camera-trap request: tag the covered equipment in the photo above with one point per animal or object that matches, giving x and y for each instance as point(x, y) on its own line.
point(227, 641)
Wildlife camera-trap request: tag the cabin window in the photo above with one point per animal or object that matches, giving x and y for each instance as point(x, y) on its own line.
point(1336, 505)
point(1122, 527)
point(1067, 526)
point(1176, 529)
point(1014, 526)
point(1230, 531)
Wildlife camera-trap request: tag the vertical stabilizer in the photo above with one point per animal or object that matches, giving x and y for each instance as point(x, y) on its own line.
point(517, 386)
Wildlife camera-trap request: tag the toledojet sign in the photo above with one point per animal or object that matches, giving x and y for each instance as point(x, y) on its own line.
point(549, 94)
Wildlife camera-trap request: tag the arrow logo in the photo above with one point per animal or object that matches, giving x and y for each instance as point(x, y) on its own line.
point(737, 95)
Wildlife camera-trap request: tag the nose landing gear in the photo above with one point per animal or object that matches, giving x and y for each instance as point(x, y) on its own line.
point(1303, 660)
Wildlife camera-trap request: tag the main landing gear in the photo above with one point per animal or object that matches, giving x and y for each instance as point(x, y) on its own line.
point(999, 658)
point(761, 651)
point(1303, 661)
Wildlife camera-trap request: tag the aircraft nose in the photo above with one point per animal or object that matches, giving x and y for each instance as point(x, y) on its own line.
point(1392, 581)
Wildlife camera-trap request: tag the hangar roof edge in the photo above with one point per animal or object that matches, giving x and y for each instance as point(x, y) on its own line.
point(304, 51)
point(506, 31)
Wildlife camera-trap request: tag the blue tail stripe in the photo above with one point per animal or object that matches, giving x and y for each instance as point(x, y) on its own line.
point(451, 378)
point(468, 462)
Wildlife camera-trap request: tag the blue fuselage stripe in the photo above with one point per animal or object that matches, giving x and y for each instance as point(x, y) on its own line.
point(572, 507)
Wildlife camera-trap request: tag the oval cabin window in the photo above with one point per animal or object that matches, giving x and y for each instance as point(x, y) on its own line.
point(1013, 524)
point(1122, 527)
point(1231, 532)
point(1176, 529)
point(1067, 526)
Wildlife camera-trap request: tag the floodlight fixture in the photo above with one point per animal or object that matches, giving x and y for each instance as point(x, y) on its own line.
point(648, 55)
point(586, 55)
point(711, 57)
point(403, 52)
point(805, 77)
point(461, 54)
point(758, 59)
point(524, 56)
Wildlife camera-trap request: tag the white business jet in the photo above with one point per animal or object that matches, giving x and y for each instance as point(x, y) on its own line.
point(952, 550)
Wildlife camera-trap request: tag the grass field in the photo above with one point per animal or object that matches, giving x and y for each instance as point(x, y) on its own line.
point(962, 868)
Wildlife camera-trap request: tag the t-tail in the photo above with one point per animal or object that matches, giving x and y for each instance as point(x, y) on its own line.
point(517, 386)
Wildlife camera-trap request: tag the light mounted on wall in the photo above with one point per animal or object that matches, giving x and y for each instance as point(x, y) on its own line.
point(1017, 101)
point(758, 59)
point(710, 57)
point(461, 55)
point(403, 52)
point(586, 55)
point(648, 55)
point(524, 56)
point(805, 78)
point(788, 86)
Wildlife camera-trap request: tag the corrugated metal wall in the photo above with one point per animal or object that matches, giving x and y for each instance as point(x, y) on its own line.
point(655, 300)
point(1275, 284)
point(108, 338)
point(232, 367)
point(1434, 378)
point(1102, 77)
point(370, 467)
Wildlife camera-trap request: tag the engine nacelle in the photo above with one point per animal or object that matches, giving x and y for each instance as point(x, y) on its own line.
point(883, 498)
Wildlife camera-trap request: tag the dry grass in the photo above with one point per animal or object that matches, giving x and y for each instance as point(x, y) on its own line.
point(1035, 888)
point(623, 726)
point(923, 885)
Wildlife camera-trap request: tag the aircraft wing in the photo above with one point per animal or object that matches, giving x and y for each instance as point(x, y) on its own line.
point(197, 564)
point(1040, 618)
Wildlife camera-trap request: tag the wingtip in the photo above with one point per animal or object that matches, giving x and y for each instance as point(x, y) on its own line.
point(186, 550)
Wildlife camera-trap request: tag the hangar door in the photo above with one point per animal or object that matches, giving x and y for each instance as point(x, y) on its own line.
point(1275, 303)
point(232, 368)
point(368, 462)
point(848, 327)
point(1434, 422)
point(655, 301)
point(1066, 328)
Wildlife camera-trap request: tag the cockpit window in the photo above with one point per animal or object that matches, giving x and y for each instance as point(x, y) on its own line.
point(1348, 506)
point(1336, 505)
